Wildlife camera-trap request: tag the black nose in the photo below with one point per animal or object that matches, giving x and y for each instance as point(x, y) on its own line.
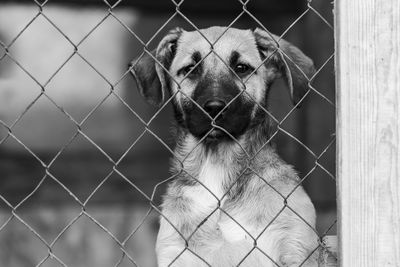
point(213, 107)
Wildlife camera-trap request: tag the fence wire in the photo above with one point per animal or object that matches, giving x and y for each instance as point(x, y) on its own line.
point(153, 207)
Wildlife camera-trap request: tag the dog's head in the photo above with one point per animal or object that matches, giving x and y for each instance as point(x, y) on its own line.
point(219, 78)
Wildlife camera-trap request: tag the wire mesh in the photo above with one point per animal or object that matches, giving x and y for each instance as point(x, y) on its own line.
point(150, 198)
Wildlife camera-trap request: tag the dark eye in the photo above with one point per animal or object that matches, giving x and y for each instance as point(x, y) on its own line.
point(242, 69)
point(190, 68)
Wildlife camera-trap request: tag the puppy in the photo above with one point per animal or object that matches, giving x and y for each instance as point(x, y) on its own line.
point(233, 201)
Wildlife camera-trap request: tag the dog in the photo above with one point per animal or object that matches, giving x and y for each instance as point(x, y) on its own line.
point(232, 201)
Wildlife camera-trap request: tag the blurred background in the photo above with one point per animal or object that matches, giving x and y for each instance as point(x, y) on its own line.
point(62, 131)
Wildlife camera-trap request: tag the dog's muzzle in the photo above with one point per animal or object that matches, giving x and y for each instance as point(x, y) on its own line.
point(219, 117)
point(220, 112)
point(214, 106)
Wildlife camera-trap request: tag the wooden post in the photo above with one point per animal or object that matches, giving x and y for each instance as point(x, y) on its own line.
point(368, 117)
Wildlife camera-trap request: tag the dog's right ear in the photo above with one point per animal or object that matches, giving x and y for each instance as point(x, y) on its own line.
point(149, 71)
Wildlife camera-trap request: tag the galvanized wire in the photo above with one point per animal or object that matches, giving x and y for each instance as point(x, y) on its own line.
point(153, 207)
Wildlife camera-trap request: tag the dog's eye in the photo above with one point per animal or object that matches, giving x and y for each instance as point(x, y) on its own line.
point(193, 69)
point(242, 69)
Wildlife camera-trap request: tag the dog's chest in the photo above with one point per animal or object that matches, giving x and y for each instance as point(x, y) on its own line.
point(217, 221)
point(208, 199)
point(208, 192)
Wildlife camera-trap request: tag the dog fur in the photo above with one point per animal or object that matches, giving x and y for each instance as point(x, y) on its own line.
point(227, 204)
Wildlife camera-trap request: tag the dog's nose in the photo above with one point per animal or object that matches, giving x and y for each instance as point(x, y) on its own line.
point(213, 107)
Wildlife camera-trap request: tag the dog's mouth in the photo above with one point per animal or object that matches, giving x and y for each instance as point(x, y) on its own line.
point(216, 134)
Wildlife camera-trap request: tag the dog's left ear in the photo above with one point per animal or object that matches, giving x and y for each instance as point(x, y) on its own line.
point(291, 63)
point(151, 78)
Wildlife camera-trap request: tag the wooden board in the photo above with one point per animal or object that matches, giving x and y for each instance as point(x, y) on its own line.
point(368, 80)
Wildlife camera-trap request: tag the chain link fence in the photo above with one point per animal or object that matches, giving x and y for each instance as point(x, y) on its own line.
point(150, 198)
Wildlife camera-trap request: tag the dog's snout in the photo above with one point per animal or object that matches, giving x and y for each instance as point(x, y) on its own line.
point(214, 106)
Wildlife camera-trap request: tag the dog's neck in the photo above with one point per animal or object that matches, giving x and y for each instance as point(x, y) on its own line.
point(225, 166)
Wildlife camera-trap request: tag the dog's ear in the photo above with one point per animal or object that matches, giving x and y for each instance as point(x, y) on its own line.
point(295, 67)
point(151, 78)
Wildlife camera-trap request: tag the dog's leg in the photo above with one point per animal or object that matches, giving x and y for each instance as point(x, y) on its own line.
point(294, 254)
point(298, 247)
point(171, 247)
point(168, 245)
point(296, 240)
